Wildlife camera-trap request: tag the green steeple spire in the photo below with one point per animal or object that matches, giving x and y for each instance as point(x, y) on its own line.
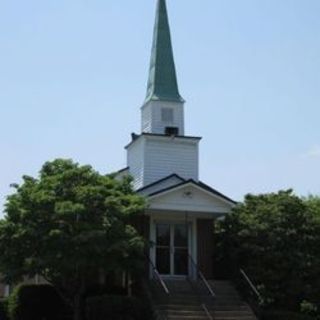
point(162, 84)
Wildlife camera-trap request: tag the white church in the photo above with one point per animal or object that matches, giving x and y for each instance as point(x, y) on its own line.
point(180, 217)
point(164, 163)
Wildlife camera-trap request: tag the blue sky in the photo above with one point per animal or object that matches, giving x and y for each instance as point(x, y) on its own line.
point(73, 75)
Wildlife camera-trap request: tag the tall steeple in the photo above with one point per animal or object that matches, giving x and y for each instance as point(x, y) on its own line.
point(162, 149)
point(162, 84)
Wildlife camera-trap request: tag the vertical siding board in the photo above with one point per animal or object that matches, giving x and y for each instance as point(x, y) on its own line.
point(205, 246)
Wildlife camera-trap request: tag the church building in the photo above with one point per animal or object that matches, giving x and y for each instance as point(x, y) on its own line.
point(164, 163)
point(178, 223)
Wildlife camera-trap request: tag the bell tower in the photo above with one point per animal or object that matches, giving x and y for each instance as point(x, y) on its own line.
point(162, 148)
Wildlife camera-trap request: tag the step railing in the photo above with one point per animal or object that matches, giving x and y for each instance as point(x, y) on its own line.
point(156, 313)
point(206, 310)
point(250, 284)
point(157, 276)
point(201, 276)
point(252, 294)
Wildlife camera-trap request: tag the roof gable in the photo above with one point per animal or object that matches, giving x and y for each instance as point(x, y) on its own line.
point(191, 196)
point(165, 183)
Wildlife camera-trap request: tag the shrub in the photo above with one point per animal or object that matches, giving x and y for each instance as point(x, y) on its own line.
point(284, 315)
point(309, 308)
point(3, 310)
point(35, 302)
point(115, 308)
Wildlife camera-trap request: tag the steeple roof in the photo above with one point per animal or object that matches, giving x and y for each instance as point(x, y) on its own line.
point(162, 84)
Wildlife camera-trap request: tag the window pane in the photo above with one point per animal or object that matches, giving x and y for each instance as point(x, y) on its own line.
point(163, 260)
point(181, 262)
point(163, 235)
point(180, 235)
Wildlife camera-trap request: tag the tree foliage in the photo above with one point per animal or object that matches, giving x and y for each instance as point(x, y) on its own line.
point(68, 225)
point(275, 238)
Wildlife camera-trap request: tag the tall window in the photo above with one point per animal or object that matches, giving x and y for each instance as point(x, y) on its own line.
point(167, 115)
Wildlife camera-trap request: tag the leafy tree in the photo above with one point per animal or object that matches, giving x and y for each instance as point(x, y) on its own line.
point(276, 239)
point(67, 225)
point(313, 204)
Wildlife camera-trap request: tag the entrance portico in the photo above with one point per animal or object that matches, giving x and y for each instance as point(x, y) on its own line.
point(181, 222)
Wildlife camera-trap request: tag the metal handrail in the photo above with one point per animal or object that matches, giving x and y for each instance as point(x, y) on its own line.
point(250, 283)
point(158, 276)
point(202, 277)
point(164, 286)
point(204, 307)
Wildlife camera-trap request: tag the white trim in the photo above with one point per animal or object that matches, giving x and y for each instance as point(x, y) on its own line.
point(194, 248)
point(182, 139)
point(167, 213)
point(192, 241)
point(167, 182)
point(195, 186)
point(152, 253)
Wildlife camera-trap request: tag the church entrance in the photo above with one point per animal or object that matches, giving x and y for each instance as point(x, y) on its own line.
point(172, 249)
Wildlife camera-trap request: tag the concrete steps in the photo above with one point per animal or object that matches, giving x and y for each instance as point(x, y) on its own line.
point(186, 300)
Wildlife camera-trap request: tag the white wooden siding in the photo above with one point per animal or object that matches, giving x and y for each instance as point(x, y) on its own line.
point(135, 161)
point(191, 199)
point(151, 120)
point(146, 119)
point(152, 158)
point(168, 155)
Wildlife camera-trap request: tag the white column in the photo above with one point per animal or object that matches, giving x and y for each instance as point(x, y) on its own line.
point(152, 251)
point(194, 253)
point(7, 290)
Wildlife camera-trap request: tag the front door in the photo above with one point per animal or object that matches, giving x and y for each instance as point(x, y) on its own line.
point(172, 252)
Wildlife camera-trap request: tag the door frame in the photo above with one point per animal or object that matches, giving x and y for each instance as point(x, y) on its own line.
point(192, 244)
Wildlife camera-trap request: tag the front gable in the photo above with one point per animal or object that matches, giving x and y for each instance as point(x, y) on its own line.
point(167, 182)
point(191, 197)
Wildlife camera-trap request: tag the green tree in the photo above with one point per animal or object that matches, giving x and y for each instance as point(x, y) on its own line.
point(313, 204)
point(69, 224)
point(276, 239)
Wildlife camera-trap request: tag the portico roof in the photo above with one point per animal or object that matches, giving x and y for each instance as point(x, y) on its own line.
point(177, 182)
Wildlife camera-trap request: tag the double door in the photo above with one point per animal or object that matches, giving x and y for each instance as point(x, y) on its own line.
point(172, 249)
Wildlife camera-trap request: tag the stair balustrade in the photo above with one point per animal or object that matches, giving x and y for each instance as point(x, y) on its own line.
point(251, 292)
point(201, 276)
point(156, 275)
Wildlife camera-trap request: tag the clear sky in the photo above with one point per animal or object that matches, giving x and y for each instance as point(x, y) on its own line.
point(73, 76)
